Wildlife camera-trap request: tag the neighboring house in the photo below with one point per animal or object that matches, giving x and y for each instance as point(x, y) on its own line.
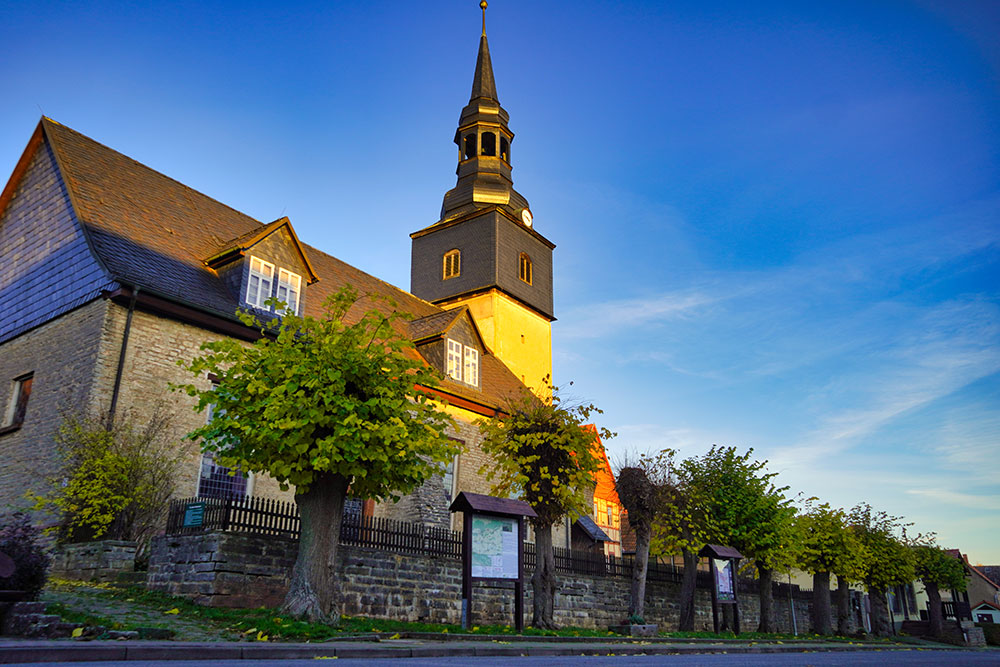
point(113, 272)
point(986, 612)
point(607, 506)
point(978, 587)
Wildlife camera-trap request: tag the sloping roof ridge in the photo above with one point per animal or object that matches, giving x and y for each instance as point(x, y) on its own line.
point(47, 120)
point(988, 604)
point(408, 295)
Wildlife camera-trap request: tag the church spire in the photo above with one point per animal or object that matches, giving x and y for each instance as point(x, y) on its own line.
point(483, 139)
point(483, 84)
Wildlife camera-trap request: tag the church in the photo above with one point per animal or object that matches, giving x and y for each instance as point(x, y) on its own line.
point(113, 272)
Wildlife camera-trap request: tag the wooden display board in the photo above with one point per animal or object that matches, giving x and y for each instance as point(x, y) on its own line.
point(492, 547)
point(723, 561)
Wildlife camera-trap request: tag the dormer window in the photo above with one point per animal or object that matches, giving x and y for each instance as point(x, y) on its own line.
point(524, 268)
point(454, 360)
point(260, 283)
point(472, 366)
point(289, 285)
point(463, 363)
point(452, 264)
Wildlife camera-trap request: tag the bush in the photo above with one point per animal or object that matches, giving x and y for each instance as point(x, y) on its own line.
point(19, 540)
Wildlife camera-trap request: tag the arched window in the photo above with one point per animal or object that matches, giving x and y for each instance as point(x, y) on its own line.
point(452, 264)
point(524, 268)
point(470, 146)
point(489, 144)
point(504, 148)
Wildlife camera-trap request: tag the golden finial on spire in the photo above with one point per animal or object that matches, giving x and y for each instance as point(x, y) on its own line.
point(482, 5)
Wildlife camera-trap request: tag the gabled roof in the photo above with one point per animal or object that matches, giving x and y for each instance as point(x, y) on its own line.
point(152, 232)
point(240, 245)
point(438, 325)
point(592, 530)
point(986, 603)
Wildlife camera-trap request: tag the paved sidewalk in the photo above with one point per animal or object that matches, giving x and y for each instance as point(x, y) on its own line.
point(24, 650)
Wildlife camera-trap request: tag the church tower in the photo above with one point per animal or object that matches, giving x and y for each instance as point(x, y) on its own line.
point(484, 252)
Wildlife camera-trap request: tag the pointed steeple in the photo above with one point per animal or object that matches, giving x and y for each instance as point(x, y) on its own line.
point(483, 84)
point(484, 140)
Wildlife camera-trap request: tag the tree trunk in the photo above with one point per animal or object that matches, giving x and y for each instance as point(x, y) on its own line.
point(313, 588)
point(820, 613)
point(640, 565)
point(766, 593)
point(688, 585)
point(843, 607)
point(880, 613)
point(935, 615)
point(543, 581)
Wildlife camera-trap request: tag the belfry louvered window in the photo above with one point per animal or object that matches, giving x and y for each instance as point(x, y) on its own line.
point(452, 264)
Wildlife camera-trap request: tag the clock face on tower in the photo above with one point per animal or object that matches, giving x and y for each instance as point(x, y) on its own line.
point(526, 217)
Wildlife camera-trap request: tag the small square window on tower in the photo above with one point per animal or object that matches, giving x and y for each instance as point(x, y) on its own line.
point(452, 264)
point(524, 268)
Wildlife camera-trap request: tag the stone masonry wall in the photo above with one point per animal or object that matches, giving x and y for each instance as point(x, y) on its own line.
point(234, 570)
point(93, 561)
point(62, 354)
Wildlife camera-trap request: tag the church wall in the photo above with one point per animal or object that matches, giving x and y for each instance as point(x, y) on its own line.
point(63, 354)
point(155, 345)
point(47, 267)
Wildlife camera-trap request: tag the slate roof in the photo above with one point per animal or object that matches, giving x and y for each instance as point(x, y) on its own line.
point(592, 530)
point(154, 232)
point(433, 325)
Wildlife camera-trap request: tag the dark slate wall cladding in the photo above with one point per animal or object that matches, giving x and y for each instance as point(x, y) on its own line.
point(475, 239)
point(513, 240)
point(46, 267)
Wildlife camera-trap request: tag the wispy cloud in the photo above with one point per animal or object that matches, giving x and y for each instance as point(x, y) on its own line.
point(967, 500)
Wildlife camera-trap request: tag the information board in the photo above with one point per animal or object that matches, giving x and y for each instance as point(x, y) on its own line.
point(494, 547)
point(194, 515)
point(724, 579)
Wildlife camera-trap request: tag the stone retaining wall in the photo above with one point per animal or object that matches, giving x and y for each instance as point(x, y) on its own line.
point(236, 570)
point(93, 561)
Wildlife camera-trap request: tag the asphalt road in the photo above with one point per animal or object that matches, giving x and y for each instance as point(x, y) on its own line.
point(865, 659)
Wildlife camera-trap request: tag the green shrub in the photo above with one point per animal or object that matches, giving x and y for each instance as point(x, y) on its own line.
point(19, 540)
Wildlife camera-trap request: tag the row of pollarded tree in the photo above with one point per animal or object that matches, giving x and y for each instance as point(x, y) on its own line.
point(725, 497)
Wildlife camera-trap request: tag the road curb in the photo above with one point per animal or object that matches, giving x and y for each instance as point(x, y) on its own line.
point(98, 651)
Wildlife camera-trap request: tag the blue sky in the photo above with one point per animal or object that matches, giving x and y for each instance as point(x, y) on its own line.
point(777, 223)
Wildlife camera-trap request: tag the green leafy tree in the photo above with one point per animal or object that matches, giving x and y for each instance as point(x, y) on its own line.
point(323, 405)
point(937, 569)
point(889, 559)
point(827, 545)
point(683, 523)
point(115, 477)
point(748, 512)
point(542, 453)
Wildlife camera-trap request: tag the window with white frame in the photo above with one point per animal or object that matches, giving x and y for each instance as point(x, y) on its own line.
point(289, 289)
point(261, 281)
point(454, 359)
point(471, 366)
